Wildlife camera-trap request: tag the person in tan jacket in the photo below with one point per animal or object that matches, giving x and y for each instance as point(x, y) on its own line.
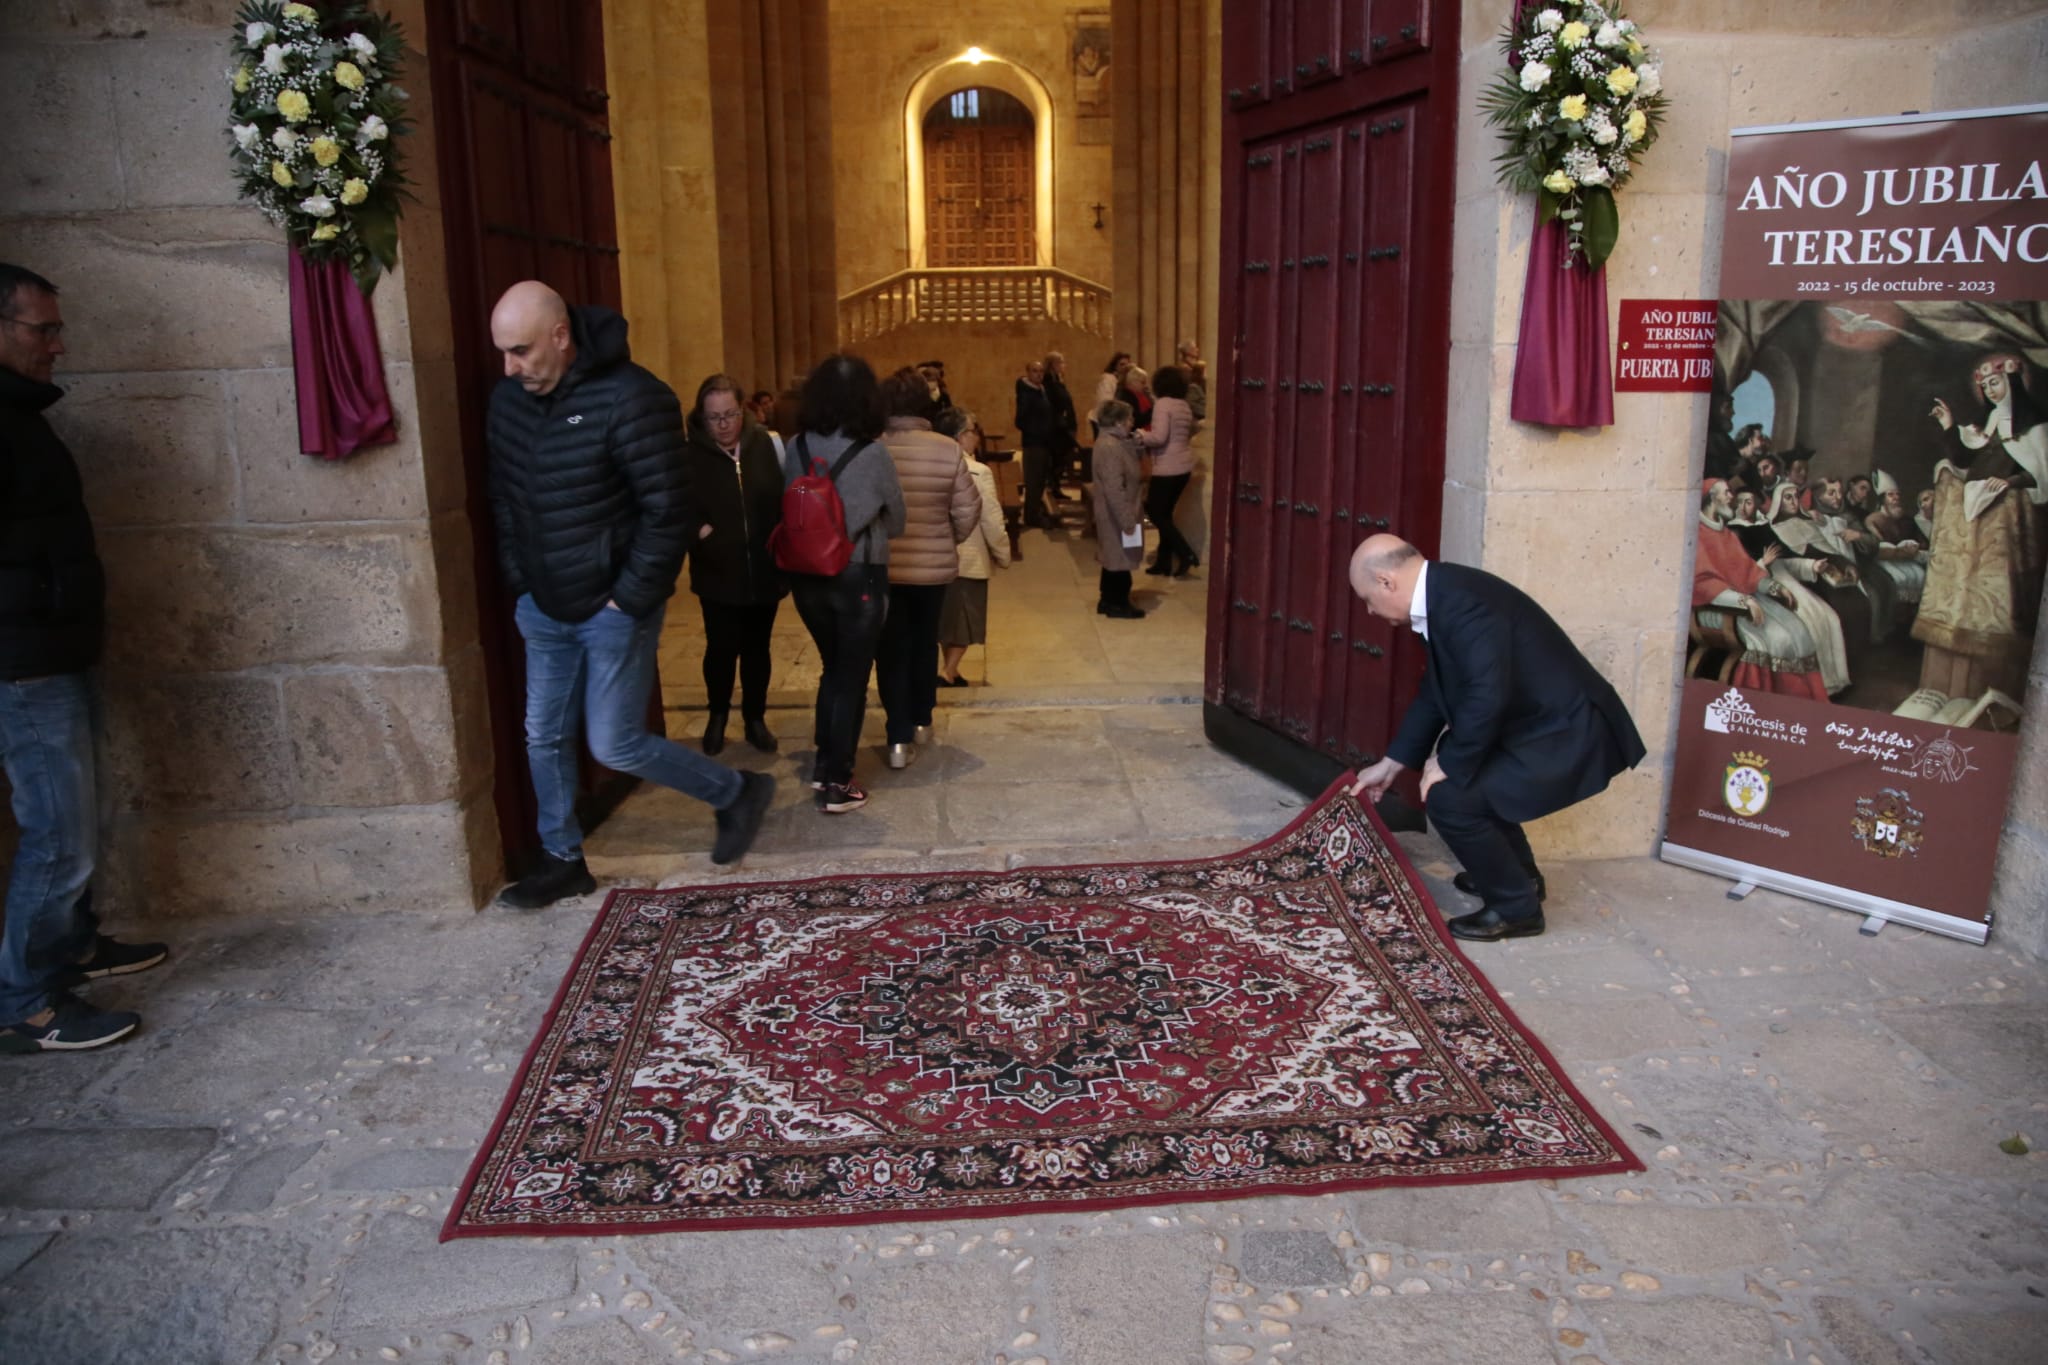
point(943, 509)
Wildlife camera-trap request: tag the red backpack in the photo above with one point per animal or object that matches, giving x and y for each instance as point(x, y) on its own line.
point(811, 538)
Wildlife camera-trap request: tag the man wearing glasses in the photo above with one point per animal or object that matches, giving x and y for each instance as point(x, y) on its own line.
point(52, 615)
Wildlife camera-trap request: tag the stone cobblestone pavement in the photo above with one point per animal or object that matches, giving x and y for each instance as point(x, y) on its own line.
point(260, 1175)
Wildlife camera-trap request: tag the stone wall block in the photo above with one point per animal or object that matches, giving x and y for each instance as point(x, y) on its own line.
point(114, 18)
point(437, 434)
point(372, 737)
point(61, 154)
point(280, 484)
point(1621, 822)
point(169, 289)
point(1478, 140)
point(1464, 524)
point(197, 600)
point(1660, 658)
point(470, 704)
point(1490, 246)
point(1525, 457)
point(172, 107)
point(2016, 891)
point(400, 858)
point(1670, 247)
point(455, 570)
point(1782, 80)
point(1986, 65)
point(152, 449)
point(206, 741)
point(1468, 425)
point(422, 283)
point(1627, 575)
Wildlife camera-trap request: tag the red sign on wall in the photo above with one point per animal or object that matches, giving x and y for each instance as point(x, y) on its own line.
point(1666, 346)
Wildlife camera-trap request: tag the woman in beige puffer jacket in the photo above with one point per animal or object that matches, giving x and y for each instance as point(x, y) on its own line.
point(943, 509)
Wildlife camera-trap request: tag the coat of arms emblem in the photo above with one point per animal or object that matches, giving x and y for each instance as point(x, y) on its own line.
point(1746, 786)
point(1888, 824)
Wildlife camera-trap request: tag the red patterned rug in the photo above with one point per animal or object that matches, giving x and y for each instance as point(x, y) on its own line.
point(1290, 1019)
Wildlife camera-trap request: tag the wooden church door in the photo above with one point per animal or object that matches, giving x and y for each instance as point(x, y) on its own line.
point(978, 177)
point(1339, 142)
point(526, 193)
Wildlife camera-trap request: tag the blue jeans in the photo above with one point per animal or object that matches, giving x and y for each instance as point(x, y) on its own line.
point(599, 673)
point(46, 727)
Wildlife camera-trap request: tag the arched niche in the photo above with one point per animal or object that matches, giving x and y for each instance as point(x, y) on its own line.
point(961, 74)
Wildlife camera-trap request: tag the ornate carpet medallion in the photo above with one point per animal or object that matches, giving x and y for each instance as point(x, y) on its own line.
point(861, 1049)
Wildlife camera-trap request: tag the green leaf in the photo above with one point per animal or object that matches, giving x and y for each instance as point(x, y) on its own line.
point(1603, 223)
point(2014, 1146)
point(379, 232)
point(1547, 206)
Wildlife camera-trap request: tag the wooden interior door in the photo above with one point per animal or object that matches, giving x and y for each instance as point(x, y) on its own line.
point(526, 193)
point(1335, 308)
point(979, 178)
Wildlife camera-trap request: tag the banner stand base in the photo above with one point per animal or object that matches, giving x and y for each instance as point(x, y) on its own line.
point(1872, 924)
point(1740, 891)
point(1875, 909)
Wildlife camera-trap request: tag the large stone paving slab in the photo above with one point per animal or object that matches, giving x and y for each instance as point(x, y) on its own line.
point(96, 1168)
point(403, 1278)
point(147, 1297)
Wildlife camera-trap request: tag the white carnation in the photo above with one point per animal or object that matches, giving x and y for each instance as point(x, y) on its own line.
point(318, 205)
point(273, 59)
point(1549, 21)
point(256, 35)
point(284, 139)
point(1595, 175)
point(246, 135)
point(362, 46)
point(372, 129)
point(1650, 79)
point(1610, 35)
point(1535, 75)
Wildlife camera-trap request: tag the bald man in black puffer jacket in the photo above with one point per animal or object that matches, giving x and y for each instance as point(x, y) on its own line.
point(588, 494)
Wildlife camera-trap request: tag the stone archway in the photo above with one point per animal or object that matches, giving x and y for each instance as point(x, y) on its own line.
point(962, 73)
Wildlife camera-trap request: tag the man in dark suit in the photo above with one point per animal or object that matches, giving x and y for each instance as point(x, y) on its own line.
point(1511, 724)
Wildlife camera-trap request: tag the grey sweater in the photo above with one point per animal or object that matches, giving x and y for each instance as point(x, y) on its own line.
point(868, 489)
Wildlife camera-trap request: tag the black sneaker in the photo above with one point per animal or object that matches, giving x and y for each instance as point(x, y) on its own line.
point(111, 957)
point(555, 879)
point(741, 821)
point(839, 798)
point(74, 1027)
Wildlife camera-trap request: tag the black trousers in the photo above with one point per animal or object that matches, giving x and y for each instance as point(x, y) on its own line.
point(844, 615)
point(1114, 587)
point(1163, 492)
point(1037, 468)
point(1495, 851)
point(737, 634)
point(907, 660)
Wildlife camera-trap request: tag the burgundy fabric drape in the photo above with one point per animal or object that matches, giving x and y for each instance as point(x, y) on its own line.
point(1561, 358)
point(343, 404)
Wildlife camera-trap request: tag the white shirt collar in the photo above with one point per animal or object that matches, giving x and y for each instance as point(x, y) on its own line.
point(1418, 606)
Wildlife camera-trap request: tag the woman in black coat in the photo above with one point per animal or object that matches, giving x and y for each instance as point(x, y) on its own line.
point(734, 473)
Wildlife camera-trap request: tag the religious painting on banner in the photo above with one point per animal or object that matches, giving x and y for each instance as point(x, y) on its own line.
point(1873, 513)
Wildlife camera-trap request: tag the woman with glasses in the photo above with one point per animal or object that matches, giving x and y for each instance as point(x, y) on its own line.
point(733, 467)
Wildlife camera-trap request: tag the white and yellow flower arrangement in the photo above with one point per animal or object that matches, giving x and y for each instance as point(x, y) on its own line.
point(1579, 104)
point(316, 116)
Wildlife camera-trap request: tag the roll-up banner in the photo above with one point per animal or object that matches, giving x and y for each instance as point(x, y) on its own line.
point(1873, 514)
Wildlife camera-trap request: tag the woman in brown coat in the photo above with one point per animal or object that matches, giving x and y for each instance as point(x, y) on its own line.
point(944, 509)
point(1117, 510)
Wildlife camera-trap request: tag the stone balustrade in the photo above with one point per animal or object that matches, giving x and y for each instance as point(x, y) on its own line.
point(974, 294)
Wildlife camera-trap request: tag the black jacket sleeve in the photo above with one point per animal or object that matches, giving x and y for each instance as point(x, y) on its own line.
point(646, 442)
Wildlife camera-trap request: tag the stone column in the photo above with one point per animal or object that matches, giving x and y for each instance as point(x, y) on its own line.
point(292, 718)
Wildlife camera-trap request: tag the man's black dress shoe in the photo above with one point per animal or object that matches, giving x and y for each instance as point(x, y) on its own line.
point(1463, 881)
point(1485, 926)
